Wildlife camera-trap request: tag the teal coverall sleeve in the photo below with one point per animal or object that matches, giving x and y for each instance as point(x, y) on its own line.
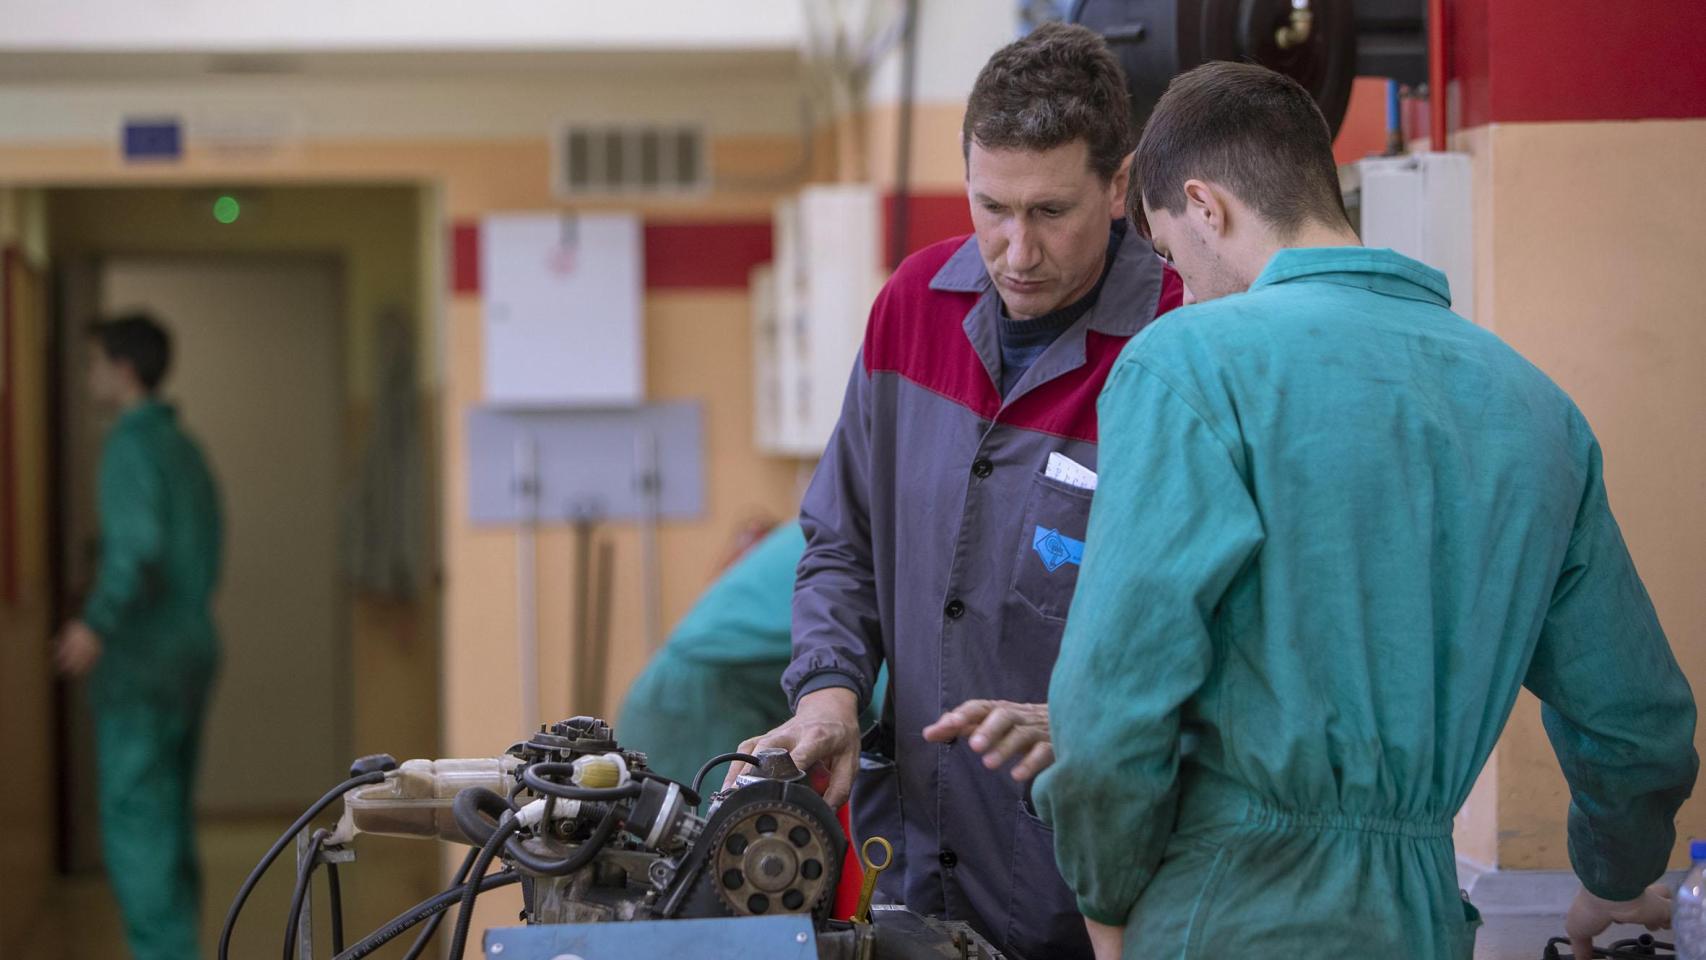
point(1171, 525)
point(1616, 706)
point(132, 510)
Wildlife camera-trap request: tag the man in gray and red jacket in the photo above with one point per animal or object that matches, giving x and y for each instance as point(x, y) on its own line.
point(945, 523)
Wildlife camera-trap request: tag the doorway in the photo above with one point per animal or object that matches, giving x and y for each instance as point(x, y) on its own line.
point(258, 379)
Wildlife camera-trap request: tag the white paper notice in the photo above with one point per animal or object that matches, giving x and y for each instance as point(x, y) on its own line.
point(1070, 472)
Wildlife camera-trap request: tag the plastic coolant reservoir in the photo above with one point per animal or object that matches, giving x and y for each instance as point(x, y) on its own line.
point(415, 802)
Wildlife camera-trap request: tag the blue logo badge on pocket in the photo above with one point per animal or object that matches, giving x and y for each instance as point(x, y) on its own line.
point(1057, 551)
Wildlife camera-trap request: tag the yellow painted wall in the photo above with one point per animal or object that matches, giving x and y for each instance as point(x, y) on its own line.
point(1590, 239)
point(698, 347)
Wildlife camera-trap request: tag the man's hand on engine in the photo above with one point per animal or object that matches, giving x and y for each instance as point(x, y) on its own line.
point(1001, 731)
point(824, 729)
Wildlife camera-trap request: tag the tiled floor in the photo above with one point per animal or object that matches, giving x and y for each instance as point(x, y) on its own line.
point(1524, 909)
point(1524, 936)
point(389, 875)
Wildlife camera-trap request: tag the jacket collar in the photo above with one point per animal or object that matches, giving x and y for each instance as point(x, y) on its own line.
point(1125, 306)
point(149, 409)
point(1136, 272)
point(1381, 271)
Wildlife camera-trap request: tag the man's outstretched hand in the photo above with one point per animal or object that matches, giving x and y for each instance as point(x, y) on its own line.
point(1589, 916)
point(78, 650)
point(824, 730)
point(1001, 731)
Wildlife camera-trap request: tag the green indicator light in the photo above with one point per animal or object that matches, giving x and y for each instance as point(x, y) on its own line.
point(226, 210)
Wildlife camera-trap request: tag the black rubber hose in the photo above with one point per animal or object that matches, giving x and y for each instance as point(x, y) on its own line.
point(432, 907)
point(278, 846)
point(711, 764)
point(336, 892)
point(471, 890)
point(426, 935)
point(534, 776)
point(477, 810)
point(691, 794)
point(580, 857)
point(299, 895)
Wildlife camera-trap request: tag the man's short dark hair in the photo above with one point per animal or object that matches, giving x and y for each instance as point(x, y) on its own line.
point(1255, 132)
point(139, 340)
point(1056, 85)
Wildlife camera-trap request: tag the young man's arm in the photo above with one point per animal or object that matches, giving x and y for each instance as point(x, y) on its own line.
point(1171, 525)
point(1616, 706)
point(132, 513)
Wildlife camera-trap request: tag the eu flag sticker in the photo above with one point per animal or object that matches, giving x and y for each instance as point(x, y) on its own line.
point(1057, 551)
point(153, 138)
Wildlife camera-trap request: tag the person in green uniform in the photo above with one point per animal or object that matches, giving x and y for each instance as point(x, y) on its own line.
point(146, 639)
point(1337, 527)
point(719, 676)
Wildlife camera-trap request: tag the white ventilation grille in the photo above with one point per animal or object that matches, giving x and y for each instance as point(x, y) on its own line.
point(604, 160)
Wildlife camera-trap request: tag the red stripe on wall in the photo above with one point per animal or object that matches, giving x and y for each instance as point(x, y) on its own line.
point(680, 255)
point(1363, 132)
point(1553, 60)
point(465, 258)
point(930, 217)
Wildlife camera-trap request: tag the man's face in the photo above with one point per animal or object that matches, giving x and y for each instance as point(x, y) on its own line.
point(107, 378)
point(1202, 254)
point(1042, 223)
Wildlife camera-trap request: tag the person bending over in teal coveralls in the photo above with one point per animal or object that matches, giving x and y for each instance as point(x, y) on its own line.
point(719, 677)
point(1337, 528)
point(146, 640)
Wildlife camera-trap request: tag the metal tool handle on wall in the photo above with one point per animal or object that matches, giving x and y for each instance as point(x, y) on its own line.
point(527, 576)
point(650, 480)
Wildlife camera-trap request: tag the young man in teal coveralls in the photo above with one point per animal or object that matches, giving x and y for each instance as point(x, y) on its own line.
point(1337, 528)
point(146, 640)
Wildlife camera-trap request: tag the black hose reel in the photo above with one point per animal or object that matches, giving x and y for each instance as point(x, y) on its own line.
point(1312, 41)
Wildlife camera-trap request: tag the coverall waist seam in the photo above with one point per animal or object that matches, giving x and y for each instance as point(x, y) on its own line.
point(1263, 814)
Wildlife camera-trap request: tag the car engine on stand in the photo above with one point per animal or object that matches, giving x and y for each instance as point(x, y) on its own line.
point(612, 859)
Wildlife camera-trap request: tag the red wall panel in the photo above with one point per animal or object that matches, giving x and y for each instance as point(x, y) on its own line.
point(1552, 60)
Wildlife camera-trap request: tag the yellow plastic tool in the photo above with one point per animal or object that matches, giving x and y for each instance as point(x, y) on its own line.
point(863, 913)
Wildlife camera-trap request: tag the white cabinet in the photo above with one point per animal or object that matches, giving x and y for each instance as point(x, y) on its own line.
point(809, 323)
point(1422, 206)
point(767, 379)
point(563, 315)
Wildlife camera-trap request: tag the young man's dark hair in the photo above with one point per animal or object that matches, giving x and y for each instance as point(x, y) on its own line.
point(1253, 130)
point(1057, 85)
point(139, 340)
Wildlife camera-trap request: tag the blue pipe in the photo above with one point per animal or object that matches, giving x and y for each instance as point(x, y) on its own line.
point(1394, 120)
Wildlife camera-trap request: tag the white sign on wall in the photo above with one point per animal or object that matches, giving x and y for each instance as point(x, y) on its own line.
point(563, 309)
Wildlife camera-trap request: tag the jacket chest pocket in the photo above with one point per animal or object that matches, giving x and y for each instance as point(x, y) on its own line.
point(1051, 546)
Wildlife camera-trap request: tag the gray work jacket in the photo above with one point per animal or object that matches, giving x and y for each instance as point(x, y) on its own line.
point(936, 542)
